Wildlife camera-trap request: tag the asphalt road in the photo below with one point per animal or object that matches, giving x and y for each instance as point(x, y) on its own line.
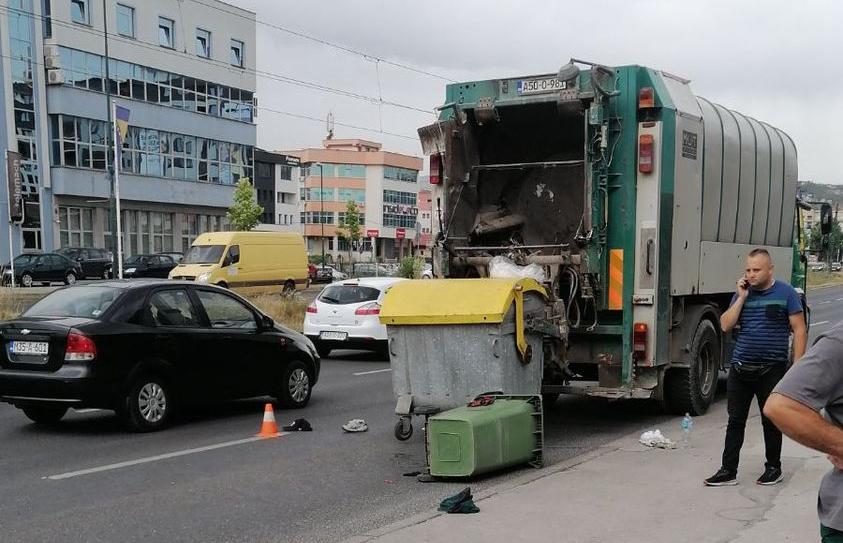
point(325, 485)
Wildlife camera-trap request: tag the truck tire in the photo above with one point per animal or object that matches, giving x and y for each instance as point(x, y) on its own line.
point(691, 390)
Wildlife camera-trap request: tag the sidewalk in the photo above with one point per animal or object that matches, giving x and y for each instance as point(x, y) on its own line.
point(630, 493)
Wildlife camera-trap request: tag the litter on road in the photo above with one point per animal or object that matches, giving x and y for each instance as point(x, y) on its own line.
point(298, 425)
point(654, 438)
point(355, 425)
point(463, 502)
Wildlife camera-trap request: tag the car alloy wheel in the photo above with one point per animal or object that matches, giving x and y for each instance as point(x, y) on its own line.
point(152, 403)
point(26, 280)
point(70, 278)
point(299, 385)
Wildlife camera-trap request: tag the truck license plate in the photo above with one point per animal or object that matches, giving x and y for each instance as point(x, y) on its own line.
point(334, 336)
point(541, 85)
point(30, 347)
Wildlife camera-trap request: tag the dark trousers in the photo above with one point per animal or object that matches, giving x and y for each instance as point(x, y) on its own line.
point(742, 386)
point(830, 535)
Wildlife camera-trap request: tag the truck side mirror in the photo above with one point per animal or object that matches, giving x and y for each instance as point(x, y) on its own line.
point(825, 219)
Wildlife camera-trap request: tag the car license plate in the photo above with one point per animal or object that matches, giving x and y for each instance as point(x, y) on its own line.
point(538, 86)
point(333, 336)
point(30, 347)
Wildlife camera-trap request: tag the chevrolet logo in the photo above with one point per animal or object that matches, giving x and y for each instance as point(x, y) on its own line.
point(25, 331)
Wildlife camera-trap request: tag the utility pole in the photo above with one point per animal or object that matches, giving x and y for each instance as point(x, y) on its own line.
point(322, 210)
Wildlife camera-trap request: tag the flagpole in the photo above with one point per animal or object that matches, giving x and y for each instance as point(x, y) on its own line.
point(117, 150)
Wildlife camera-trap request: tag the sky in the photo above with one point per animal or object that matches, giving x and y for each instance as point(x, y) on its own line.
point(776, 61)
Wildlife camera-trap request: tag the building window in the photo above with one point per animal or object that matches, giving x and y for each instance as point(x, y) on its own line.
point(166, 36)
point(203, 43)
point(236, 53)
point(126, 21)
point(80, 143)
point(76, 226)
point(86, 71)
point(79, 12)
point(316, 217)
point(341, 218)
point(356, 195)
point(285, 173)
point(398, 197)
point(400, 174)
point(315, 195)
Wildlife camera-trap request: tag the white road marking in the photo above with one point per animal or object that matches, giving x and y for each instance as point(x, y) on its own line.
point(819, 323)
point(371, 372)
point(839, 299)
point(148, 459)
point(825, 302)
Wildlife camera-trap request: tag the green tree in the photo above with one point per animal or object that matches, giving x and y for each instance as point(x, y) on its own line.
point(411, 267)
point(244, 213)
point(349, 228)
point(835, 242)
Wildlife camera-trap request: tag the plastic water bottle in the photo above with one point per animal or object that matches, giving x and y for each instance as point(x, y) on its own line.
point(687, 426)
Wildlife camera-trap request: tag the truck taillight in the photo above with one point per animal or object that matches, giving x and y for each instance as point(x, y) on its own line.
point(639, 341)
point(79, 348)
point(435, 169)
point(646, 98)
point(373, 308)
point(645, 153)
point(312, 308)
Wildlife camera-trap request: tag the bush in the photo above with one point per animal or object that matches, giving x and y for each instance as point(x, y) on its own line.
point(411, 267)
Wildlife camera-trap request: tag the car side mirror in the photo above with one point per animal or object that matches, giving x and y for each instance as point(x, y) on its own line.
point(267, 323)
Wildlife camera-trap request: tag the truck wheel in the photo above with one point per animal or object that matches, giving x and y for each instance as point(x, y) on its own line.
point(691, 390)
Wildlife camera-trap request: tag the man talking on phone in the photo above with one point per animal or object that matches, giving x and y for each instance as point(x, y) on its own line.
point(767, 311)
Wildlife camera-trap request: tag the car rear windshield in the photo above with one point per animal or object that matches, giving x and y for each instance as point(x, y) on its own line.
point(88, 302)
point(348, 294)
point(204, 254)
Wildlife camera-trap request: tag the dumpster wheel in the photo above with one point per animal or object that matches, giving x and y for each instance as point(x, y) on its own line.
point(403, 429)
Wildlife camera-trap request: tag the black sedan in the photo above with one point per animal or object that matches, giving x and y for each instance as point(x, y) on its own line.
point(145, 348)
point(45, 269)
point(148, 266)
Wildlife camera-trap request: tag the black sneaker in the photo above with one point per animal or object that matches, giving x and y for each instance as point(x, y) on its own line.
point(771, 476)
point(723, 477)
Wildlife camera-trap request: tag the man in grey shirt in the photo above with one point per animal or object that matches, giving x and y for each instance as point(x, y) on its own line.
point(813, 384)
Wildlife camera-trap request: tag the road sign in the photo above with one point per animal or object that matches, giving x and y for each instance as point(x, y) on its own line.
point(13, 178)
point(372, 233)
point(400, 233)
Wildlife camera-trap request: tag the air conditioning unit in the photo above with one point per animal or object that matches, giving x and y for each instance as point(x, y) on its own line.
point(52, 59)
point(55, 77)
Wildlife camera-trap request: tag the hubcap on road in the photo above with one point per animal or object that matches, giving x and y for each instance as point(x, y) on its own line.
point(299, 385)
point(152, 402)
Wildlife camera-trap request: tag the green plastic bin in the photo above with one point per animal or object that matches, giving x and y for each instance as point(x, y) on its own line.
point(468, 441)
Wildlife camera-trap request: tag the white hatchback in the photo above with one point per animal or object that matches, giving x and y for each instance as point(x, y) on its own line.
point(346, 315)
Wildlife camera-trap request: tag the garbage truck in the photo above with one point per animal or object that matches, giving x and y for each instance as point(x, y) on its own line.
point(638, 201)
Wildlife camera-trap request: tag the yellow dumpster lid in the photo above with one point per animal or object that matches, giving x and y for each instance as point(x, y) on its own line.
point(452, 301)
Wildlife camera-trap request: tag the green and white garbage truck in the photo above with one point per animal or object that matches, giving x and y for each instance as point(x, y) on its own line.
point(636, 199)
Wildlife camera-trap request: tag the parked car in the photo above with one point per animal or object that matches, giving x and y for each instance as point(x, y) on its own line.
point(427, 271)
point(836, 266)
point(45, 269)
point(20, 261)
point(369, 269)
point(148, 266)
point(329, 274)
point(145, 348)
point(93, 262)
point(346, 315)
point(176, 256)
point(818, 266)
point(246, 259)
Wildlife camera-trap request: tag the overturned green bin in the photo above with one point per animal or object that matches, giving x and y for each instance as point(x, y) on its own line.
point(469, 441)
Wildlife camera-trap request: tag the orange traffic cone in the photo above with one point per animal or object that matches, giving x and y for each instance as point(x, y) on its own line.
point(269, 428)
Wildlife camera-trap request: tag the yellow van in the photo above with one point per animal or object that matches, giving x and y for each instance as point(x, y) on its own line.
point(246, 259)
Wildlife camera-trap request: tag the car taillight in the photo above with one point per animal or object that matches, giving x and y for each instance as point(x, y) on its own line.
point(435, 169)
point(79, 348)
point(373, 308)
point(645, 153)
point(312, 308)
point(639, 341)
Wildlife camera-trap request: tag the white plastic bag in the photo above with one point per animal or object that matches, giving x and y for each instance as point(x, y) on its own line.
point(501, 267)
point(654, 438)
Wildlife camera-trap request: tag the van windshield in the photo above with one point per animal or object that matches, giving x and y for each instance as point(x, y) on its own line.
point(204, 254)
